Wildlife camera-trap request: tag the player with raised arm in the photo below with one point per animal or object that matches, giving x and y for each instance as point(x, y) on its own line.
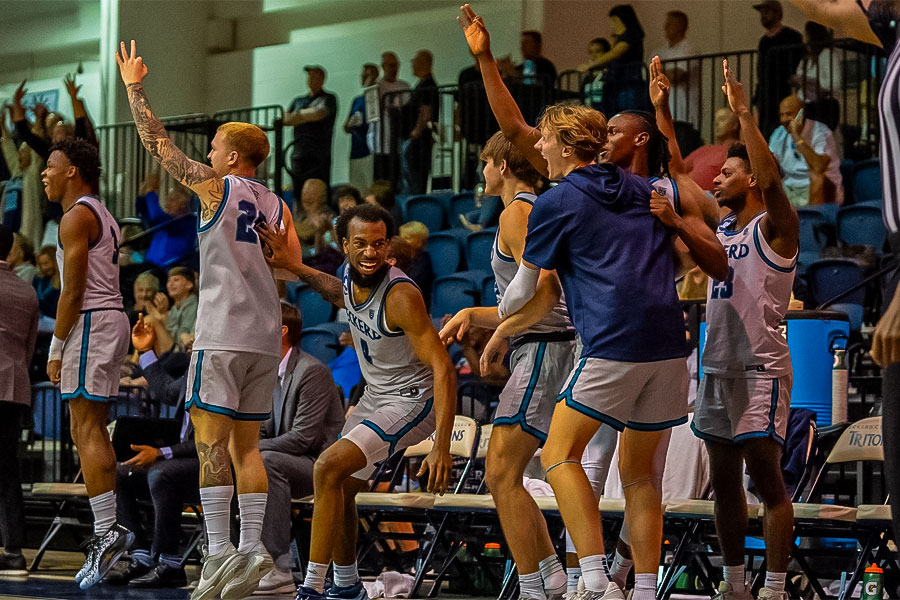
point(90, 339)
point(410, 388)
point(744, 398)
point(234, 363)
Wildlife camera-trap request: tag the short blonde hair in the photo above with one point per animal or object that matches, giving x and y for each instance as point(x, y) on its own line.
point(249, 141)
point(581, 128)
point(414, 232)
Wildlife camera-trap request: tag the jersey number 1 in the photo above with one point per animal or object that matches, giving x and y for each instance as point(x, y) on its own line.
point(245, 222)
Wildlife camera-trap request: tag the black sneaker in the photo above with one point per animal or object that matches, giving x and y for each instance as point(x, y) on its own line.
point(161, 577)
point(125, 572)
point(103, 552)
point(12, 564)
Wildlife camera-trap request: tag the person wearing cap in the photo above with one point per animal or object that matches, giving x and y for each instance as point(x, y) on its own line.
point(312, 117)
point(780, 51)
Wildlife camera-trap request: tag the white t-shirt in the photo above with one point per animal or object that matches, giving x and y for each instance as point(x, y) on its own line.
point(379, 135)
point(684, 97)
point(796, 171)
point(822, 76)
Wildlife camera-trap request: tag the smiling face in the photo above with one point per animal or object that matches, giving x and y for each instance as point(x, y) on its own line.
point(56, 175)
point(179, 287)
point(366, 247)
point(144, 291)
point(731, 185)
point(46, 264)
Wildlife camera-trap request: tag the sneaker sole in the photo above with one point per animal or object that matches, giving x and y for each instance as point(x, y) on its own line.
point(287, 588)
point(224, 575)
point(253, 572)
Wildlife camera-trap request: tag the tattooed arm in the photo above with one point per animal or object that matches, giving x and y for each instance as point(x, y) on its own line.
point(199, 177)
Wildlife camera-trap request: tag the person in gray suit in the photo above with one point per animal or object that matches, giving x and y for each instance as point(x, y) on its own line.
point(18, 333)
point(307, 416)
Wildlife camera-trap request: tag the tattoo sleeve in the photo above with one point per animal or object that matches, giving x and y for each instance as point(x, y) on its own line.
point(215, 465)
point(156, 141)
point(327, 286)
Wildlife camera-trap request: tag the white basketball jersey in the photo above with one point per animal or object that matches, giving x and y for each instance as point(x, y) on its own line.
point(102, 286)
point(743, 313)
point(388, 362)
point(239, 308)
point(668, 188)
point(505, 268)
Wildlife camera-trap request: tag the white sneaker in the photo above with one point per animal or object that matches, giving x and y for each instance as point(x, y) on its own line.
point(726, 592)
point(612, 593)
point(277, 582)
point(218, 570)
point(256, 564)
point(767, 594)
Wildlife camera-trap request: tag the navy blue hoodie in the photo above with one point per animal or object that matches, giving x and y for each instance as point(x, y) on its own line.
point(615, 261)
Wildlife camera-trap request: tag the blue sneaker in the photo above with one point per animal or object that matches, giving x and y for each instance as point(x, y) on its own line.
point(308, 593)
point(353, 592)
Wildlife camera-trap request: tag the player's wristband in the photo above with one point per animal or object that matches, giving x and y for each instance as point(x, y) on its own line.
point(56, 348)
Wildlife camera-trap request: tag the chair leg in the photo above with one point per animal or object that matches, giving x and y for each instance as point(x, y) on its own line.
point(861, 563)
point(510, 581)
point(813, 579)
point(48, 537)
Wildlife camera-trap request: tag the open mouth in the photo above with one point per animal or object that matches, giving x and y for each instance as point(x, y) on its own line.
point(368, 266)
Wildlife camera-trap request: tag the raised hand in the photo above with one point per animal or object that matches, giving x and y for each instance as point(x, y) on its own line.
point(71, 88)
point(131, 67)
point(455, 328)
point(19, 93)
point(734, 91)
point(143, 335)
point(477, 35)
point(659, 84)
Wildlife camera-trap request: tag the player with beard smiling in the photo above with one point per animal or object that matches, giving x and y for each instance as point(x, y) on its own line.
point(410, 388)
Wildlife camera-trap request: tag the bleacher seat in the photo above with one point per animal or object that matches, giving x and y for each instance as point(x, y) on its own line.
point(829, 277)
point(460, 204)
point(867, 181)
point(811, 238)
point(445, 251)
point(861, 224)
point(445, 196)
point(489, 291)
point(425, 209)
point(452, 293)
point(320, 342)
point(314, 309)
point(478, 249)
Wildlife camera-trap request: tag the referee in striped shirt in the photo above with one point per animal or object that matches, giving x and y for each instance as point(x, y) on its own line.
point(878, 22)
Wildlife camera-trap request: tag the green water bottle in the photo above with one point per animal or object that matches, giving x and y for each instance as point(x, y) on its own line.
point(872, 584)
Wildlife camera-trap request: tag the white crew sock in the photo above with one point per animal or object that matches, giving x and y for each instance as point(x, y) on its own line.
point(531, 586)
point(216, 502)
point(620, 569)
point(315, 576)
point(345, 576)
point(644, 586)
point(775, 581)
point(573, 574)
point(553, 575)
point(734, 576)
point(594, 573)
point(104, 508)
point(253, 510)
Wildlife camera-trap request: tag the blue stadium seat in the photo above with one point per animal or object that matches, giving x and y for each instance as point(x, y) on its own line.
point(313, 308)
point(861, 224)
point(489, 291)
point(867, 180)
point(461, 204)
point(335, 327)
point(811, 244)
point(452, 293)
point(829, 277)
point(444, 196)
point(427, 210)
point(320, 342)
point(445, 251)
point(478, 249)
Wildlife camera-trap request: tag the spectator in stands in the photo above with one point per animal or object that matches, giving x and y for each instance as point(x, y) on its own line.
point(47, 285)
point(312, 117)
point(592, 84)
point(18, 333)
point(780, 51)
point(534, 64)
point(182, 316)
point(166, 476)
point(684, 77)
point(819, 76)
point(381, 192)
point(420, 268)
point(307, 417)
point(346, 197)
point(317, 215)
point(21, 258)
point(704, 163)
point(178, 237)
point(22, 196)
point(384, 131)
point(146, 286)
point(625, 85)
point(420, 115)
point(807, 153)
point(357, 126)
point(130, 252)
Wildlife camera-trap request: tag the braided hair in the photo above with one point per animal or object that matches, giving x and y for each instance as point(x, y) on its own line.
point(658, 155)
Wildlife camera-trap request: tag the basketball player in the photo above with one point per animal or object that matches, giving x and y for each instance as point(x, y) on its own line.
point(410, 388)
point(234, 363)
point(90, 338)
point(541, 359)
point(743, 400)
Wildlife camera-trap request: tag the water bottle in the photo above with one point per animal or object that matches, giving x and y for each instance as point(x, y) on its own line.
point(872, 584)
point(839, 387)
point(528, 72)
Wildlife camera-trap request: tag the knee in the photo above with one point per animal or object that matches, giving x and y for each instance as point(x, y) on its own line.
point(556, 451)
point(499, 474)
point(328, 471)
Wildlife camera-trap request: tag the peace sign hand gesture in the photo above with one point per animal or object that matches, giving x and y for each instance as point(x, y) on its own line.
point(131, 68)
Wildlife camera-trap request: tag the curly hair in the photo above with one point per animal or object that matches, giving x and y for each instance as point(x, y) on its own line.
point(84, 156)
point(579, 127)
point(367, 213)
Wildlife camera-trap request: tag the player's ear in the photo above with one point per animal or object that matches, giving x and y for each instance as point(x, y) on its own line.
point(567, 151)
point(284, 330)
point(752, 181)
point(233, 158)
point(642, 138)
point(503, 166)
